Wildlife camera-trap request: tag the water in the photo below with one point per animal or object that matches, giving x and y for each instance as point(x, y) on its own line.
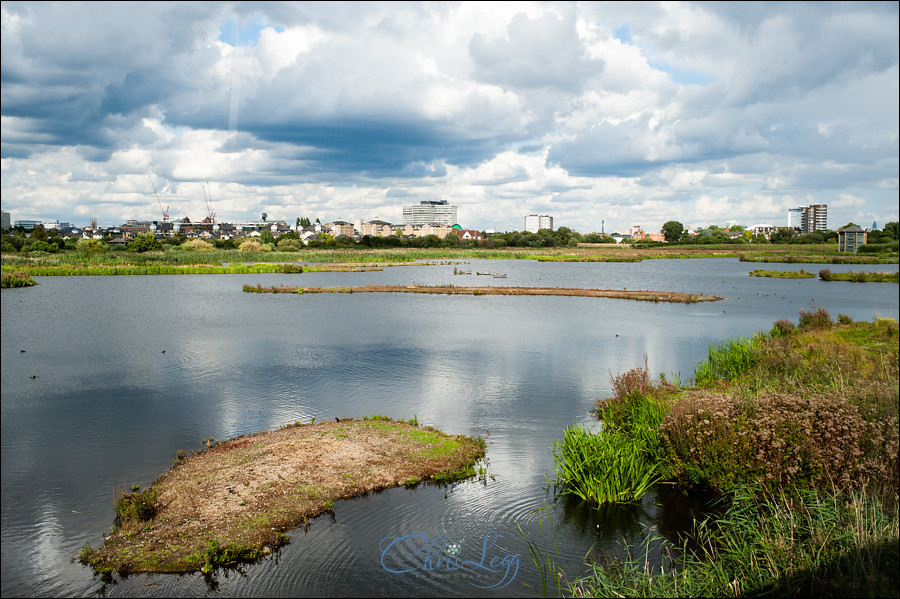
point(131, 369)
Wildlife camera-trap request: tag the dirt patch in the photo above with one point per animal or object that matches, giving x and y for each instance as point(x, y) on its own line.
point(234, 502)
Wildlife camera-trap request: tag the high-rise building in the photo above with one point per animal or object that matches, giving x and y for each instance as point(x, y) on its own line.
point(5, 222)
point(816, 218)
point(430, 212)
point(536, 222)
point(807, 219)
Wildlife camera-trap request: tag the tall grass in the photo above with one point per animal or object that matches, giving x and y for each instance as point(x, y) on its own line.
point(815, 543)
point(602, 467)
point(727, 361)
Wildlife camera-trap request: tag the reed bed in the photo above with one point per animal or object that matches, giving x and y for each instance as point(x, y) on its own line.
point(796, 431)
point(602, 467)
point(811, 544)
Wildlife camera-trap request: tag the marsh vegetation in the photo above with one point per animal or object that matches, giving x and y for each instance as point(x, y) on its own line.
point(795, 431)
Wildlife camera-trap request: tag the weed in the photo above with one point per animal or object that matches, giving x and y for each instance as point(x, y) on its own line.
point(136, 506)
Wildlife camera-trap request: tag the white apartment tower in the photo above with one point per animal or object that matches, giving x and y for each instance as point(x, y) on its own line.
point(430, 212)
point(536, 222)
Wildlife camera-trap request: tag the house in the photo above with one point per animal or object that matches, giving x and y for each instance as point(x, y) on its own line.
point(850, 238)
point(467, 234)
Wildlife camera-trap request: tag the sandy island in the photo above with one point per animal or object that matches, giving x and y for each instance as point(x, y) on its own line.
point(233, 502)
point(640, 295)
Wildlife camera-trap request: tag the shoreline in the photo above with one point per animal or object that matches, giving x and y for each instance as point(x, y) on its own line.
point(234, 502)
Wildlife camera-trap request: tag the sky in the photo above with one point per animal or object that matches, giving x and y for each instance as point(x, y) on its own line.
point(603, 115)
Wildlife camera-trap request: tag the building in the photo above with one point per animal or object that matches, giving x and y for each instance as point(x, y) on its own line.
point(850, 238)
point(765, 230)
point(5, 220)
point(795, 218)
point(28, 225)
point(807, 219)
point(430, 212)
point(342, 227)
point(536, 222)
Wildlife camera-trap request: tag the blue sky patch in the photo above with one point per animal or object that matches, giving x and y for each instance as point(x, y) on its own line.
point(234, 34)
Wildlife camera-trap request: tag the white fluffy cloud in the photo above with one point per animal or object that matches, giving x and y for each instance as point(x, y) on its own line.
point(600, 114)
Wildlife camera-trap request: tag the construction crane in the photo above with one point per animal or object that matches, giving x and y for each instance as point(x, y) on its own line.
point(165, 212)
point(208, 195)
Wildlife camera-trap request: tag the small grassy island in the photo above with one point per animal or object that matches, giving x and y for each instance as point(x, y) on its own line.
point(233, 502)
point(859, 277)
point(782, 274)
point(639, 295)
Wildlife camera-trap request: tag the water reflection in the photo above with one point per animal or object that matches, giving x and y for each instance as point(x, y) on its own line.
point(109, 409)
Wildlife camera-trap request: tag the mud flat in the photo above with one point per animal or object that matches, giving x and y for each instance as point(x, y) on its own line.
point(233, 502)
point(639, 295)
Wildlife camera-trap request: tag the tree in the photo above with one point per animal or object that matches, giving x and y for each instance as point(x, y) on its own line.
point(266, 236)
point(891, 229)
point(783, 235)
point(144, 242)
point(91, 246)
point(565, 236)
point(672, 231)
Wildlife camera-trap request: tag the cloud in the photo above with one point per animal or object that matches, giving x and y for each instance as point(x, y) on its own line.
point(599, 112)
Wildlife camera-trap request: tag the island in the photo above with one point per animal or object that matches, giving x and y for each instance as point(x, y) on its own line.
point(234, 501)
point(638, 294)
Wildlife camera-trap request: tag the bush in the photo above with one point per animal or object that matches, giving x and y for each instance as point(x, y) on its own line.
point(137, 506)
point(250, 245)
point(820, 319)
point(197, 245)
point(781, 328)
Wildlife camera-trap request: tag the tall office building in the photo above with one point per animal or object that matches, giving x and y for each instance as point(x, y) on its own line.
point(430, 212)
point(536, 222)
point(795, 218)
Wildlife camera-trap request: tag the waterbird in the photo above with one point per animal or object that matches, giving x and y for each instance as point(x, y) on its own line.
point(34, 376)
point(163, 351)
point(21, 351)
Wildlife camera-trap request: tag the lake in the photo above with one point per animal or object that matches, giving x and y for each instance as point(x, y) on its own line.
point(131, 369)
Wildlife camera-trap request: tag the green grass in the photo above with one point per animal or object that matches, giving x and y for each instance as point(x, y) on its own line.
point(813, 544)
point(860, 277)
point(10, 280)
point(797, 432)
point(602, 467)
point(726, 361)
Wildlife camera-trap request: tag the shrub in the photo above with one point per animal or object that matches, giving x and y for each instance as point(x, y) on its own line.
point(635, 381)
point(250, 245)
point(783, 439)
point(781, 328)
point(92, 246)
point(197, 245)
point(136, 506)
point(820, 319)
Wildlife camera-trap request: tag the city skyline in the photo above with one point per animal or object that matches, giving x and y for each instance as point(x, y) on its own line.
point(604, 115)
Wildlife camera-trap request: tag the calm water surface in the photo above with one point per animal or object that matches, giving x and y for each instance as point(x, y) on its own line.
point(108, 408)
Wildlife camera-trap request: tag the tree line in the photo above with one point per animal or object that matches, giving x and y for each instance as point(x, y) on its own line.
point(40, 239)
